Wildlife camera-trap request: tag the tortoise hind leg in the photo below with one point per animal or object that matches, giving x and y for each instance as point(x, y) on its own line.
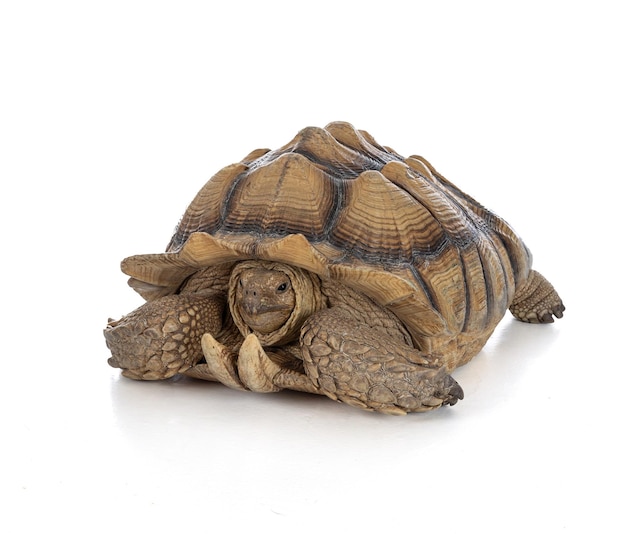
point(537, 301)
point(354, 363)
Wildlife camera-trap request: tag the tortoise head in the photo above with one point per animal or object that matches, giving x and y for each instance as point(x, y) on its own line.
point(272, 300)
point(265, 298)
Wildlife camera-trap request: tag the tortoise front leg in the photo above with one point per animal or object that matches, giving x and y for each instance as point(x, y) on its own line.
point(364, 367)
point(162, 337)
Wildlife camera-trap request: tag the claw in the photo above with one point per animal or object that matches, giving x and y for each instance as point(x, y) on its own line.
point(452, 391)
point(256, 370)
point(546, 318)
point(221, 362)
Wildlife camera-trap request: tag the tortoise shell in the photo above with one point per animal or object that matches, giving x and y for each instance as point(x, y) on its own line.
point(337, 203)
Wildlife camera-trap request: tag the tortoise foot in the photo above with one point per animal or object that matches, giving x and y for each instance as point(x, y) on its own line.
point(537, 301)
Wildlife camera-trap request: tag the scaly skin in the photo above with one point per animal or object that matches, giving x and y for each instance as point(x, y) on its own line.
point(162, 338)
point(537, 301)
point(353, 363)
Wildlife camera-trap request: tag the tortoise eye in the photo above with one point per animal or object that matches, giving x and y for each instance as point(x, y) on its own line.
point(282, 287)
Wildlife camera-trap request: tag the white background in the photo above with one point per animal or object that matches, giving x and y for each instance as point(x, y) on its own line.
point(113, 115)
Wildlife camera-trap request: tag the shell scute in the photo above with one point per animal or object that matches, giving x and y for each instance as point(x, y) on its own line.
point(477, 291)
point(445, 280)
point(206, 211)
point(382, 221)
point(434, 206)
point(342, 160)
point(288, 197)
point(361, 142)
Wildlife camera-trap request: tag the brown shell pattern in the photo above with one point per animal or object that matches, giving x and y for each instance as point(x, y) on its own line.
point(337, 203)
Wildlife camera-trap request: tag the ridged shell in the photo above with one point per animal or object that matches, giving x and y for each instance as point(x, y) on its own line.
point(337, 203)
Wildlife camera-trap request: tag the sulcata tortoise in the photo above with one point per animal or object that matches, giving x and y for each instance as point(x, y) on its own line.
point(332, 265)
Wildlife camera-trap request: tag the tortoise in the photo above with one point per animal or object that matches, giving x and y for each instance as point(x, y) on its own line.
point(332, 265)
